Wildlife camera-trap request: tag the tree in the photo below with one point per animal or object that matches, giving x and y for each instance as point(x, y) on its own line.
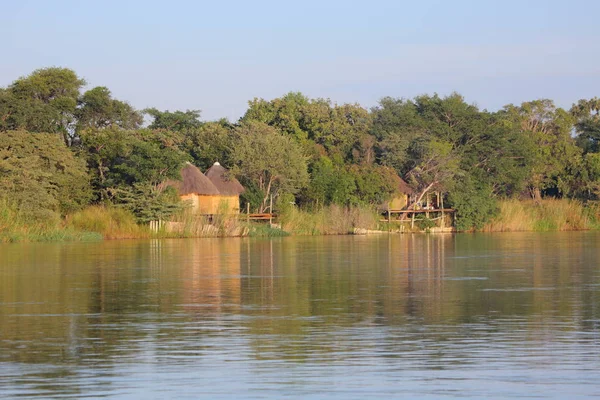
point(174, 121)
point(44, 101)
point(42, 175)
point(271, 161)
point(120, 159)
point(587, 115)
point(283, 113)
point(330, 184)
point(435, 166)
point(98, 110)
point(547, 133)
point(211, 142)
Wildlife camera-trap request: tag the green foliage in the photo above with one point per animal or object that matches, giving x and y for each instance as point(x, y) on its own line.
point(285, 114)
point(272, 161)
point(44, 101)
point(475, 204)
point(147, 202)
point(119, 158)
point(265, 230)
point(41, 175)
point(425, 224)
point(19, 226)
point(299, 151)
point(587, 115)
point(338, 129)
point(213, 141)
point(97, 110)
point(547, 138)
point(179, 121)
point(330, 184)
point(375, 185)
point(109, 221)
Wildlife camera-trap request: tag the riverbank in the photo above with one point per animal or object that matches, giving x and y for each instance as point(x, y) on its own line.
point(545, 216)
point(110, 223)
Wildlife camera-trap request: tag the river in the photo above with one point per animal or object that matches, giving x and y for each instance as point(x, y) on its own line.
point(346, 317)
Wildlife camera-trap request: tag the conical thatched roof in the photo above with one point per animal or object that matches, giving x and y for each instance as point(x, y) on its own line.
point(225, 182)
point(193, 181)
point(403, 187)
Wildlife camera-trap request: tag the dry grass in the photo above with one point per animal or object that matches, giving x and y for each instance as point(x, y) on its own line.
point(18, 227)
point(110, 222)
point(547, 215)
point(331, 220)
point(188, 224)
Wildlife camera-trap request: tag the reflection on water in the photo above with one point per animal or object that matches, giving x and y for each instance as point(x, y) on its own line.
point(501, 315)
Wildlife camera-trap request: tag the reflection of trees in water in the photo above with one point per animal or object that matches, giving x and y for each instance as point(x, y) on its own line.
point(291, 297)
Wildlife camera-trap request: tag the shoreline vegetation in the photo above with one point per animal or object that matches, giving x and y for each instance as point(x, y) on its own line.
point(76, 163)
point(97, 223)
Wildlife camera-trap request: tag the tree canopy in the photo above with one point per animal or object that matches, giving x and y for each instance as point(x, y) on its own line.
point(64, 147)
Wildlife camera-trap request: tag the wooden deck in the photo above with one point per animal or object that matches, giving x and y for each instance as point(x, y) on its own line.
point(259, 217)
point(421, 211)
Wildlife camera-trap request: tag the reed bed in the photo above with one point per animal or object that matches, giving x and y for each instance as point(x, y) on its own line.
point(109, 221)
point(16, 226)
point(543, 216)
point(330, 220)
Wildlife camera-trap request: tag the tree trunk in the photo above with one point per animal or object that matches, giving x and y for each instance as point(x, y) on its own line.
point(536, 194)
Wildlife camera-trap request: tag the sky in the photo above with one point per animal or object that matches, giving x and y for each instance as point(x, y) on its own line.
point(215, 56)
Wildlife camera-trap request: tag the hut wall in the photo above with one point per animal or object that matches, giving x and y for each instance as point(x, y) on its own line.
point(212, 204)
point(191, 199)
point(399, 202)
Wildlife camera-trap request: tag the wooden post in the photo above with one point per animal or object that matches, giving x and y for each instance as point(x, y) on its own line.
point(442, 205)
point(248, 212)
point(389, 217)
point(427, 207)
point(271, 211)
point(412, 222)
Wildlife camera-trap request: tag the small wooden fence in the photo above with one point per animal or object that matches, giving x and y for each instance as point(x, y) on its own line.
point(404, 215)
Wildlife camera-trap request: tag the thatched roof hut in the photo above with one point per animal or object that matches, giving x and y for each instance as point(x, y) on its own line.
point(224, 181)
point(403, 195)
point(203, 195)
point(193, 181)
point(403, 187)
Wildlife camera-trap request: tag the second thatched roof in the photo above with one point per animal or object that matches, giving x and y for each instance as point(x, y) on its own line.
point(403, 187)
point(224, 181)
point(193, 181)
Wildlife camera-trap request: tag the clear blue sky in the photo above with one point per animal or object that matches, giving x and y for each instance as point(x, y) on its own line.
point(217, 55)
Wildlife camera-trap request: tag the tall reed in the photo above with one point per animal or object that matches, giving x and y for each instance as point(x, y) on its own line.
point(16, 226)
point(330, 220)
point(542, 216)
point(109, 221)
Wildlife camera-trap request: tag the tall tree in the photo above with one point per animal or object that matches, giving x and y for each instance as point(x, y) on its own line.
point(44, 101)
point(174, 120)
point(548, 131)
point(273, 162)
point(40, 174)
point(587, 115)
point(98, 110)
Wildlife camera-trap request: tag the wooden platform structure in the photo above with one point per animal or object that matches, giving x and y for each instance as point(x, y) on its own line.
point(259, 217)
point(406, 214)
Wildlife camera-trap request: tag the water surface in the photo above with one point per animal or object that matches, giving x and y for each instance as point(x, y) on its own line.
point(413, 316)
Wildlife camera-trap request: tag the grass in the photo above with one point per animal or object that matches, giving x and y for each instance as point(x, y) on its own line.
point(98, 222)
point(265, 230)
point(110, 222)
point(330, 220)
point(544, 216)
point(16, 226)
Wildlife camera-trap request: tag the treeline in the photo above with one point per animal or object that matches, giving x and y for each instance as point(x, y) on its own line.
point(62, 149)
